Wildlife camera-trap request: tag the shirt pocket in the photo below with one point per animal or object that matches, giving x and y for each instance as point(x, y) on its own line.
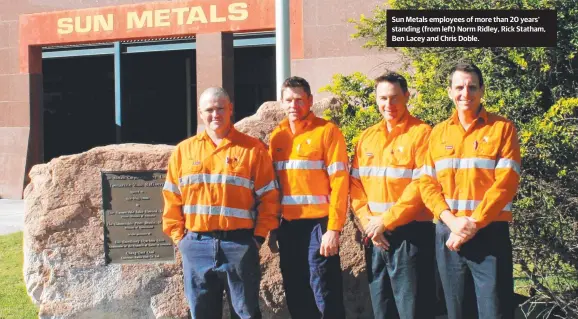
point(237, 163)
point(192, 166)
point(401, 157)
point(488, 148)
point(237, 166)
point(312, 167)
point(193, 175)
point(369, 157)
point(308, 151)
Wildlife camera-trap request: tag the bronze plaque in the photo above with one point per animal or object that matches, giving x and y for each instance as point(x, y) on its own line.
point(133, 207)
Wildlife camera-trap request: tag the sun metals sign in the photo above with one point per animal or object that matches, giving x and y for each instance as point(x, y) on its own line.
point(150, 20)
point(147, 20)
point(155, 18)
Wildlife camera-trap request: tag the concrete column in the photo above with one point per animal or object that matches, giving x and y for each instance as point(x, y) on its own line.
point(282, 43)
point(215, 65)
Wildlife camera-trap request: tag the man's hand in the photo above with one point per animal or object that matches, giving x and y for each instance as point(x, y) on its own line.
point(374, 226)
point(462, 226)
point(379, 240)
point(329, 243)
point(455, 242)
point(272, 242)
point(374, 230)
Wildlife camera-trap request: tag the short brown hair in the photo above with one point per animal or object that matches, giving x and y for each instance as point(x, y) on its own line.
point(392, 77)
point(468, 68)
point(296, 82)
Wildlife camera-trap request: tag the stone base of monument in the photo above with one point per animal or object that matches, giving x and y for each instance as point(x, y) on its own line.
point(65, 269)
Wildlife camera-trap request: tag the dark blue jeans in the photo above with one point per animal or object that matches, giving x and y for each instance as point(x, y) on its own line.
point(484, 262)
point(312, 282)
point(213, 264)
point(402, 278)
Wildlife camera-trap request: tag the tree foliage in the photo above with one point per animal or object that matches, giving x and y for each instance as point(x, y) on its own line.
point(358, 111)
point(537, 88)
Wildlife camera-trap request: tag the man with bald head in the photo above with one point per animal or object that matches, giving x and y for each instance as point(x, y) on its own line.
point(221, 201)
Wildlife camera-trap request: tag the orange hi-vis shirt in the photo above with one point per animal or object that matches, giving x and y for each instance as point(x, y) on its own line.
point(312, 169)
point(386, 170)
point(225, 187)
point(475, 172)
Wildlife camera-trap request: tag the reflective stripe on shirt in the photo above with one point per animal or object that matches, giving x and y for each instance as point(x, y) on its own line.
point(430, 171)
point(379, 207)
point(304, 199)
point(355, 173)
point(269, 187)
point(393, 172)
point(218, 211)
point(216, 179)
point(333, 168)
point(464, 163)
point(417, 173)
point(467, 204)
point(298, 164)
point(508, 163)
point(172, 188)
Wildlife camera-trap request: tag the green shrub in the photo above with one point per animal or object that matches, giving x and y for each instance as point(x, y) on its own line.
point(358, 110)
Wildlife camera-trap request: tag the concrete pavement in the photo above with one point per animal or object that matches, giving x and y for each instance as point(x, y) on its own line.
point(11, 216)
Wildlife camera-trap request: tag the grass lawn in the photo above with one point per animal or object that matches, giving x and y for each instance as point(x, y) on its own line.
point(14, 302)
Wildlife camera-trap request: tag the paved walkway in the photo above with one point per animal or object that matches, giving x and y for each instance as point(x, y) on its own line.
point(11, 216)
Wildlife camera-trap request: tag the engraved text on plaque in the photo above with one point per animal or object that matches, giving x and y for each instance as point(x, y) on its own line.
point(133, 207)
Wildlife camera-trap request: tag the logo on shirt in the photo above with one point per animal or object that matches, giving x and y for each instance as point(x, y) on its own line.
point(231, 160)
point(196, 163)
point(369, 154)
point(449, 147)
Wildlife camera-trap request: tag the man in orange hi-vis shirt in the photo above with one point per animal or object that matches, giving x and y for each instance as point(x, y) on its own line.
point(310, 158)
point(471, 177)
point(385, 197)
point(221, 201)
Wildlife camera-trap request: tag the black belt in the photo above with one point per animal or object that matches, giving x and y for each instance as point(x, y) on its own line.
point(305, 220)
point(226, 234)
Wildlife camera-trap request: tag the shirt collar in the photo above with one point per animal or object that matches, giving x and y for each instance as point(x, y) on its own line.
point(229, 138)
point(401, 125)
point(301, 124)
point(483, 116)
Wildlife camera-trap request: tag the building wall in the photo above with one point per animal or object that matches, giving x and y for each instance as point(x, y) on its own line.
point(15, 88)
point(328, 46)
point(327, 49)
point(13, 104)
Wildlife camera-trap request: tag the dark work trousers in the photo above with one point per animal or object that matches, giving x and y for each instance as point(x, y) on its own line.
point(487, 259)
point(217, 261)
point(402, 278)
point(312, 282)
